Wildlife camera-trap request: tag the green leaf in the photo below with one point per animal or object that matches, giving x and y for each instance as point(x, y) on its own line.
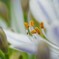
point(2, 55)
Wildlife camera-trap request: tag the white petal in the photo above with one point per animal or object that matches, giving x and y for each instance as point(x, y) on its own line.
point(37, 12)
point(56, 5)
point(43, 11)
point(17, 16)
point(47, 6)
point(53, 32)
point(17, 37)
point(30, 48)
point(20, 42)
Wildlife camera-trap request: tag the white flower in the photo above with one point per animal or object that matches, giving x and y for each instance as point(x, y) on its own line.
point(46, 11)
point(17, 16)
point(29, 44)
point(43, 12)
point(53, 33)
point(20, 42)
